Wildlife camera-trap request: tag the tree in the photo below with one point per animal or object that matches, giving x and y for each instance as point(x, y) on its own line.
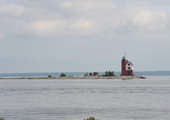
point(112, 74)
point(2, 118)
point(86, 74)
point(91, 118)
point(49, 76)
point(109, 73)
point(63, 75)
point(106, 73)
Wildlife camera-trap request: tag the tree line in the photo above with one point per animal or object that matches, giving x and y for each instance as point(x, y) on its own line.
point(109, 73)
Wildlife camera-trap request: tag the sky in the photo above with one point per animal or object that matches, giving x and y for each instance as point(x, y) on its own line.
point(83, 35)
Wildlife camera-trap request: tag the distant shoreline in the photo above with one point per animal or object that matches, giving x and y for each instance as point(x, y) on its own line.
point(88, 77)
point(76, 74)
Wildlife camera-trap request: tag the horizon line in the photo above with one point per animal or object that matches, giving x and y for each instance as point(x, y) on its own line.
point(84, 72)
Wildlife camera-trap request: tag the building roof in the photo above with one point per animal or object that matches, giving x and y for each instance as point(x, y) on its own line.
point(128, 62)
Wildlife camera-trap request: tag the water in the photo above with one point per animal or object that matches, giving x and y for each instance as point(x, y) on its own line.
point(45, 74)
point(144, 99)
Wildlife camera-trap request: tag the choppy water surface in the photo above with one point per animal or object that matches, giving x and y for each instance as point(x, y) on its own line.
point(78, 99)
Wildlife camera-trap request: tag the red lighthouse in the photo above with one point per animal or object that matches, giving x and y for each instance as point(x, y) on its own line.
point(127, 67)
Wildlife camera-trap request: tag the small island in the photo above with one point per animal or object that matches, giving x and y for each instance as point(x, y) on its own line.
point(107, 75)
point(126, 74)
point(79, 77)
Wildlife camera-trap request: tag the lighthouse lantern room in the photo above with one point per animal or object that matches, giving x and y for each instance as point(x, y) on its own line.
point(127, 67)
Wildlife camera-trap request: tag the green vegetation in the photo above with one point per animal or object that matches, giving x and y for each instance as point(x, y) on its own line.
point(63, 75)
point(109, 73)
point(86, 74)
point(90, 118)
point(2, 118)
point(49, 76)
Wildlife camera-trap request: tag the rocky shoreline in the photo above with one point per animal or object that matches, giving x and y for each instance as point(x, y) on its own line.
point(88, 77)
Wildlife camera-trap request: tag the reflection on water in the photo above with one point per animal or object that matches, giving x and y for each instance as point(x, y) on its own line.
point(78, 99)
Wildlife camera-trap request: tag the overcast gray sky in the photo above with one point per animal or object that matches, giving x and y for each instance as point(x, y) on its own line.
point(83, 35)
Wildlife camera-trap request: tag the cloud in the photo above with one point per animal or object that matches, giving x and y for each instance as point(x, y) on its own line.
point(12, 9)
point(1, 35)
point(120, 22)
point(83, 18)
point(80, 32)
point(66, 4)
point(43, 28)
point(80, 24)
point(52, 28)
point(150, 20)
point(88, 5)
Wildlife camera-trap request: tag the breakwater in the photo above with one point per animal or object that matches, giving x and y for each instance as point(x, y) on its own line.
point(87, 77)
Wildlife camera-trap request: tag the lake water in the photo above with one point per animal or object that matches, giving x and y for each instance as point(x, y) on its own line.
point(143, 99)
point(45, 74)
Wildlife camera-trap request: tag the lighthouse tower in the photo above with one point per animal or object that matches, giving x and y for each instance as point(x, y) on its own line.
point(127, 67)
